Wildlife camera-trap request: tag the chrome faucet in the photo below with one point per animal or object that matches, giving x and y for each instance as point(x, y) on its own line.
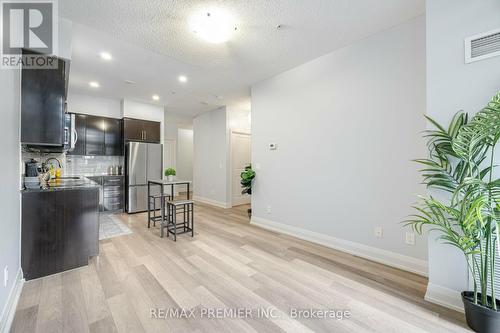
point(54, 159)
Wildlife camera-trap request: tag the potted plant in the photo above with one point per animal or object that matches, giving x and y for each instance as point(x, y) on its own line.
point(247, 177)
point(461, 162)
point(170, 174)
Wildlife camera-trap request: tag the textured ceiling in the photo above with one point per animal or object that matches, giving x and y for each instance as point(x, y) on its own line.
point(152, 44)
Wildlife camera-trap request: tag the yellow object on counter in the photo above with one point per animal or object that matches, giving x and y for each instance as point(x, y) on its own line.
point(52, 172)
point(58, 173)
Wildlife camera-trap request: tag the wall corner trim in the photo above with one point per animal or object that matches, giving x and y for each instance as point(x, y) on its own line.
point(410, 264)
point(211, 202)
point(11, 304)
point(444, 296)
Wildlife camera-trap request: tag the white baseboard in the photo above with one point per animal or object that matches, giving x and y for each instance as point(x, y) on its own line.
point(444, 296)
point(215, 203)
point(11, 304)
point(414, 265)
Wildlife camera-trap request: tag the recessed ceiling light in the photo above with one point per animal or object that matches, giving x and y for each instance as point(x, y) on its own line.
point(183, 78)
point(129, 82)
point(156, 97)
point(106, 56)
point(214, 25)
point(94, 84)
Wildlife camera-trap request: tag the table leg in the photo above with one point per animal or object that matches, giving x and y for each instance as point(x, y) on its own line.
point(162, 207)
point(172, 191)
point(188, 191)
point(149, 205)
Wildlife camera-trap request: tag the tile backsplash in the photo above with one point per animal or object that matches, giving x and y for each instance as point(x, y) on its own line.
point(90, 165)
point(77, 165)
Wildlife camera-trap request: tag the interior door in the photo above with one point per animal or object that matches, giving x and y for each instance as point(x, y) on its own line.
point(240, 158)
point(137, 163)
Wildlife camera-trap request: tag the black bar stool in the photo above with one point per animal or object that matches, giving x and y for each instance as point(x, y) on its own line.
point(152, 199)
point(174, 208)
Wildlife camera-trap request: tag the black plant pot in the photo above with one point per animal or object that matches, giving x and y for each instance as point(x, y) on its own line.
point(481, 318)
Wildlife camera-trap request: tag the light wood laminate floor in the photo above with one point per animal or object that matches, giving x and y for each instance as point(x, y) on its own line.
point(233, 265)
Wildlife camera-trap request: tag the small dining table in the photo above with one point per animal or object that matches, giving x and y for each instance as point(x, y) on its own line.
point(162, 183)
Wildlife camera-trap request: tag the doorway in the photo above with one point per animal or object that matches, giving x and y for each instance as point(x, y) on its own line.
point(240, 158)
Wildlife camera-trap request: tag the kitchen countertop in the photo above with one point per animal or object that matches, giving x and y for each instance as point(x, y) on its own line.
point(85, 184)
point(94, 175)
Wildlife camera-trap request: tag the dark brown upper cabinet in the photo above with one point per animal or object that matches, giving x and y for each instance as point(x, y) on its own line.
point(43, 99)
point(132, 129)
point(98, 136)
point(113, 145)
point(152, 131)
point(94, 136)
point(141, 130)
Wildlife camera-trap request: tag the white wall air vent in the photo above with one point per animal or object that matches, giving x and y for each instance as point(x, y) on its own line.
point(482, 46)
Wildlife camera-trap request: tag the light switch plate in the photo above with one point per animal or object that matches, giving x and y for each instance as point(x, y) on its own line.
point(273, 146)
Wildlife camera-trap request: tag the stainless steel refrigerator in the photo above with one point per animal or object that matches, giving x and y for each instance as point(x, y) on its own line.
point(144, 161)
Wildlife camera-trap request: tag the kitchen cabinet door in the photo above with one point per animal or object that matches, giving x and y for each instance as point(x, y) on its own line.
point(94, 136)
point(133, 129)
point(80, 127)
point(42, 106)
point(152, 131)
point(113, 137)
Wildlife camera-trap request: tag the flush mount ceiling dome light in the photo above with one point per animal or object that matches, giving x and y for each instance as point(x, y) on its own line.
point(214, 25)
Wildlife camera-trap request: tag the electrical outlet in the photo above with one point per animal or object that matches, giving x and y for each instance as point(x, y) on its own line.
point(273, 146)
point(269, 209)
point(378, 232)
point(5, 276)
point(212, 191)
point(410, 238)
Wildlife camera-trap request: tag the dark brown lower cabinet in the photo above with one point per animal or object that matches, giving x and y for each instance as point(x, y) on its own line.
point(60, 230)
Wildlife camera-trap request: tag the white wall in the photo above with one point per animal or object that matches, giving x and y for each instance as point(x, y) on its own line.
point(9, 191)
point(185, 154)
point(347, 125)
point(97, 106)
point(238, 118)
point(453, 85)
point(210, 157)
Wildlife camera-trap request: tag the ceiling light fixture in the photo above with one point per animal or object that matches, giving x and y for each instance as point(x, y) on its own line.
point(94, 84)
point(106, 56)
point(214, 25)
point(183, 78)
point(156, 97)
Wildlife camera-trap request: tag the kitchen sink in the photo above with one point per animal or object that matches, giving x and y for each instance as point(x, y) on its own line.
point(67, 182)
